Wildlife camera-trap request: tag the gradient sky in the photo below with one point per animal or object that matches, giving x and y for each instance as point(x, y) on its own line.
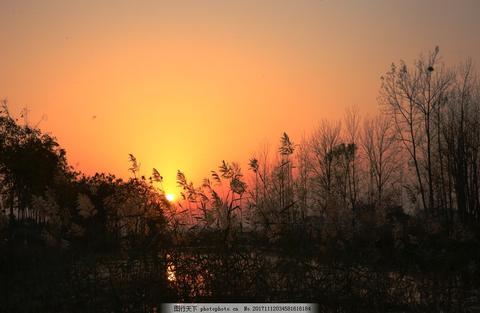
point(185, 84)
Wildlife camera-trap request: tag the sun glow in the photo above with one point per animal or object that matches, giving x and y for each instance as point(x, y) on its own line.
point(170, 197)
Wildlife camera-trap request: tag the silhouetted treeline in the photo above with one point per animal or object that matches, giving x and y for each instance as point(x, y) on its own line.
point(366, 214)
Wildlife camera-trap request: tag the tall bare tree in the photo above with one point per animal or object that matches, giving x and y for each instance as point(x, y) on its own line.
point(352, 127)
point(323, 141)
point(379, 146)
point(411, 95)
point(462, 133)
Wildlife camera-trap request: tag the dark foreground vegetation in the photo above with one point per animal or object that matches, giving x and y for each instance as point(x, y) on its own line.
point(379, 214)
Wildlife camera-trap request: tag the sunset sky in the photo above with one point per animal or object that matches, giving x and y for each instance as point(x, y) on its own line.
point(185, 84)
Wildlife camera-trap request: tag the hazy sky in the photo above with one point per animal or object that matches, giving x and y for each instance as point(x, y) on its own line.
point(185, 84)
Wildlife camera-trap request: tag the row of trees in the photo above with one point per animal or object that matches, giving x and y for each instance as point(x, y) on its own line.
point(436, 113)
point(39, 188)
point(419, 153)
point(383, 208)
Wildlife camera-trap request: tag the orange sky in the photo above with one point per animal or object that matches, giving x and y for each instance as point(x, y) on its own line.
point(185, 84)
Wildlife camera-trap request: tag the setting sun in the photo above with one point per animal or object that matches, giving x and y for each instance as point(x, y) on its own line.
point(170, 197)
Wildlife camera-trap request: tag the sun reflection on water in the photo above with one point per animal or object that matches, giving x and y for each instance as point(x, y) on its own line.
point(170, 270)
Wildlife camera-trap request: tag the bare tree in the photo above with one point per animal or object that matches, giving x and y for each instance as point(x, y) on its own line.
point(263, 204)
point(411, 95)
point(323, 141)
point(352, 127)
point(303, 176)
point(379, 145)
point(461, 133)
